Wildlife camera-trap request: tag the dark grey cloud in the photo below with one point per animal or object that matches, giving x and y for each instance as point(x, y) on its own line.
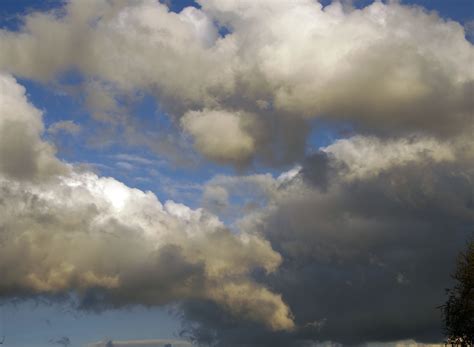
point(364, 259)
point(317, 169)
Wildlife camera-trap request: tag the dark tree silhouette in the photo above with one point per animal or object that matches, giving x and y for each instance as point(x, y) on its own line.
point(459, 308)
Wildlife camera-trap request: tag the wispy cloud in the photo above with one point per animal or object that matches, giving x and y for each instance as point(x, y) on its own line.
point(134, 159)
point(67, 127)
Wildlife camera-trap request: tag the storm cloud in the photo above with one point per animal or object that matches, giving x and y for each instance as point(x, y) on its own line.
point(366, 257)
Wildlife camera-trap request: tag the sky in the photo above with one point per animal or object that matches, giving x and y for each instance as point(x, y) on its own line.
point(233, 172)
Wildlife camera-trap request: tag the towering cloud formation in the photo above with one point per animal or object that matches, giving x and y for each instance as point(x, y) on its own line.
point(112, 245)
point(386, 68)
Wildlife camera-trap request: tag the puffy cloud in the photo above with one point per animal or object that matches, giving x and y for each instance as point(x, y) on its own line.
point(98, 37)
point(117, 246)
point(112, 245)
point(204, 29)
point(386, 68)
point(23, 154)
point(366, 156)
point(368, 64)
point(221, 135)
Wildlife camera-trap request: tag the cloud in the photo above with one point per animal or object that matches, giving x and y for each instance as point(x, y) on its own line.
point(101, 101)
point(23, 154)
point(113, 246)
point(366, 241)
point(125, 165)
point(221, 135)
point(341, 249)
point(367, 156)
point(133, 159)
point(65, 126)
point(234, 197)
point(385, 68)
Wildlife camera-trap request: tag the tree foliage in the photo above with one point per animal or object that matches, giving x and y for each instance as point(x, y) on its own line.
point(459, 308)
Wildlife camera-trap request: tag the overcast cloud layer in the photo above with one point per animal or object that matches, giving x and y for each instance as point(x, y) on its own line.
point(353, 245)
